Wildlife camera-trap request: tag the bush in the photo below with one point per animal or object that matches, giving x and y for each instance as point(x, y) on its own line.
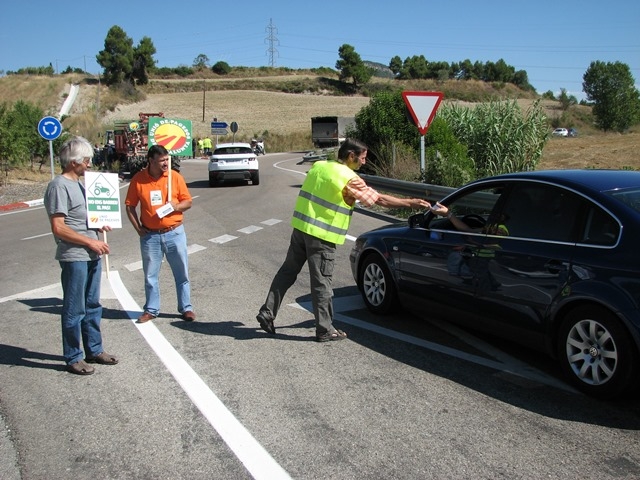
point(500, 138)
point(221, 68)
point(446, 159)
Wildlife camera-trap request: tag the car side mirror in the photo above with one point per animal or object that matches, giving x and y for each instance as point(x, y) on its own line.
point(416, 220)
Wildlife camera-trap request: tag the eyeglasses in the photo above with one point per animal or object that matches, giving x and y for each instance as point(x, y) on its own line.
point(87, 162)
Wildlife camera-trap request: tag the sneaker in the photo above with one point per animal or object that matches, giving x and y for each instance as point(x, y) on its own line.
point(331, 336)
point(266, 325)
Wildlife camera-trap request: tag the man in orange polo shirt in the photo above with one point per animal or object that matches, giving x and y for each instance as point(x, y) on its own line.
point(161, 231)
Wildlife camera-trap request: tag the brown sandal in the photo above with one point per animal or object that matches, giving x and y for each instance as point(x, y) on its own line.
point(80, 368)
point(331, 336)
point(103, 359)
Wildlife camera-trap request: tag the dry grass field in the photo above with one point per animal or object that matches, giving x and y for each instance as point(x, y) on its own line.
point(254, 111)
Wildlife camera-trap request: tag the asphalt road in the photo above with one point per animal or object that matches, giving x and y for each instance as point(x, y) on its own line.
point(404, 397)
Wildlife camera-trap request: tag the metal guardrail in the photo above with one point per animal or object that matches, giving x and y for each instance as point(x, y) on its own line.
point(432, 193)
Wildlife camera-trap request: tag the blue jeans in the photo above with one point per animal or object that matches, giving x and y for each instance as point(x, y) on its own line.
point(81, 310)
point(173, 245)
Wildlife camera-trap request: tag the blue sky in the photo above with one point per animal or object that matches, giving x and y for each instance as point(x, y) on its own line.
point(553, 41)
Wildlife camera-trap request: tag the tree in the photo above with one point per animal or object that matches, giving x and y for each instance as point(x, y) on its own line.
point(201, 62)
point(352, 67)
point(143, 61)
point(19, 139)
point(221, 68)
point(611, 88)
point(566, 100)
point(395, 65)
point(117, 56)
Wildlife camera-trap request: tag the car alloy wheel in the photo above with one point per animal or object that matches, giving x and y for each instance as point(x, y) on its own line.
point(592, 352)
point(377, 285)
point(596, 353)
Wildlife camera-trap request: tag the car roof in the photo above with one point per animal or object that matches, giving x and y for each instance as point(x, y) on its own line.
point(591, 179)
point(236, 144)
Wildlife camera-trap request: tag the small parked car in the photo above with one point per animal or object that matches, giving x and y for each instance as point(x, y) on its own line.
point(545, 259)
point(233, 162)
point(572, 132)
point(560, 132)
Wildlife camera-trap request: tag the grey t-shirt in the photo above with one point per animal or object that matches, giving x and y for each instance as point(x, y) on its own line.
point(67, 197)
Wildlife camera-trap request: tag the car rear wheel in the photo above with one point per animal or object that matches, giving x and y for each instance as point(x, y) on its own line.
point(596, 353)
point(255, 178)
point(376, 285)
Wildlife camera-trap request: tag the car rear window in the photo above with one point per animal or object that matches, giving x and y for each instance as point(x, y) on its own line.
point(232, 150)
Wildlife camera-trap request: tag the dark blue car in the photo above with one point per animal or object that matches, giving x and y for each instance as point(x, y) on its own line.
point(547, 259)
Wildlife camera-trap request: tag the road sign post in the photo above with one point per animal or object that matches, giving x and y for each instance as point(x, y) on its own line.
point(422, 106)
point(50, 128)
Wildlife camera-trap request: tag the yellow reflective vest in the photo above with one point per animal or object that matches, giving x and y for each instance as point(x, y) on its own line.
point(320, 208)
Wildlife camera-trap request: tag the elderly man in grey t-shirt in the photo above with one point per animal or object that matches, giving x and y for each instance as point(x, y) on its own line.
point(78, 252)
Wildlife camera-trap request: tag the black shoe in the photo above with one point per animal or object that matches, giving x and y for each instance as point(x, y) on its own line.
point(266, 325)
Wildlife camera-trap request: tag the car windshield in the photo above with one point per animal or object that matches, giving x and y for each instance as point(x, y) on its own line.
point(629, 197)
point(231, 150)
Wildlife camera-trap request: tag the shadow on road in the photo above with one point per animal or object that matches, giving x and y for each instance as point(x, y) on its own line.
point(520, 392)
point(21, 357)
point(239, 331)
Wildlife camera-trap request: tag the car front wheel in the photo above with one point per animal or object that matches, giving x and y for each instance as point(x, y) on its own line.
point(596, 353)
point(376, 285)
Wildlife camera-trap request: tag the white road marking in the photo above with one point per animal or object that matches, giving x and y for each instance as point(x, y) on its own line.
point(21, 210)
point(37, 236)
point(132, 267)
point(259, 463)
point(55, 289)
point(193, 248)
point(351, 238)
point(271, 221)
point(277, 165)
point(250, 229)
point(222, 239)
point(30, 293)
point(506, 363)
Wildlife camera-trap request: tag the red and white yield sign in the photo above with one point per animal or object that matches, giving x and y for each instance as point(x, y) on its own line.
point(423, 106)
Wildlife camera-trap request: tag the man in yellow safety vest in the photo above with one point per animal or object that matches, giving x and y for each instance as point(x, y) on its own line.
point(320, 222)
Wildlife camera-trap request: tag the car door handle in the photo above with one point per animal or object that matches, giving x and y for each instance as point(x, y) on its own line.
point(554, 266)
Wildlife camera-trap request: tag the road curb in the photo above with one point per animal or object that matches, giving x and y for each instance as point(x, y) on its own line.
point(19, 205)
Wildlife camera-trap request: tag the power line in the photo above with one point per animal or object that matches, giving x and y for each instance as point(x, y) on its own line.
point(273, 41)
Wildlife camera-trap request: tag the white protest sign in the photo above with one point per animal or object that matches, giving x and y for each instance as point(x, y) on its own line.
point(103, 200)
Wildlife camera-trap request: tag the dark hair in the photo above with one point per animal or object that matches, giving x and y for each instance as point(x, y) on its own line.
point(351, 145)
point(156, 150)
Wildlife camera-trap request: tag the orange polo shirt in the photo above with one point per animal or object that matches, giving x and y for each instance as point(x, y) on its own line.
point(152, 194)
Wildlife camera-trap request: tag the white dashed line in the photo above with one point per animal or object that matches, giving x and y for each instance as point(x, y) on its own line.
point(37, 236)
point(132, 267)
point(250, 229)
point(193, 248)
point(222, 239)
point(271, 221)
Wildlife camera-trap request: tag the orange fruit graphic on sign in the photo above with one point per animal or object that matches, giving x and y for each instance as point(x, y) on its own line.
point(171, 137)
